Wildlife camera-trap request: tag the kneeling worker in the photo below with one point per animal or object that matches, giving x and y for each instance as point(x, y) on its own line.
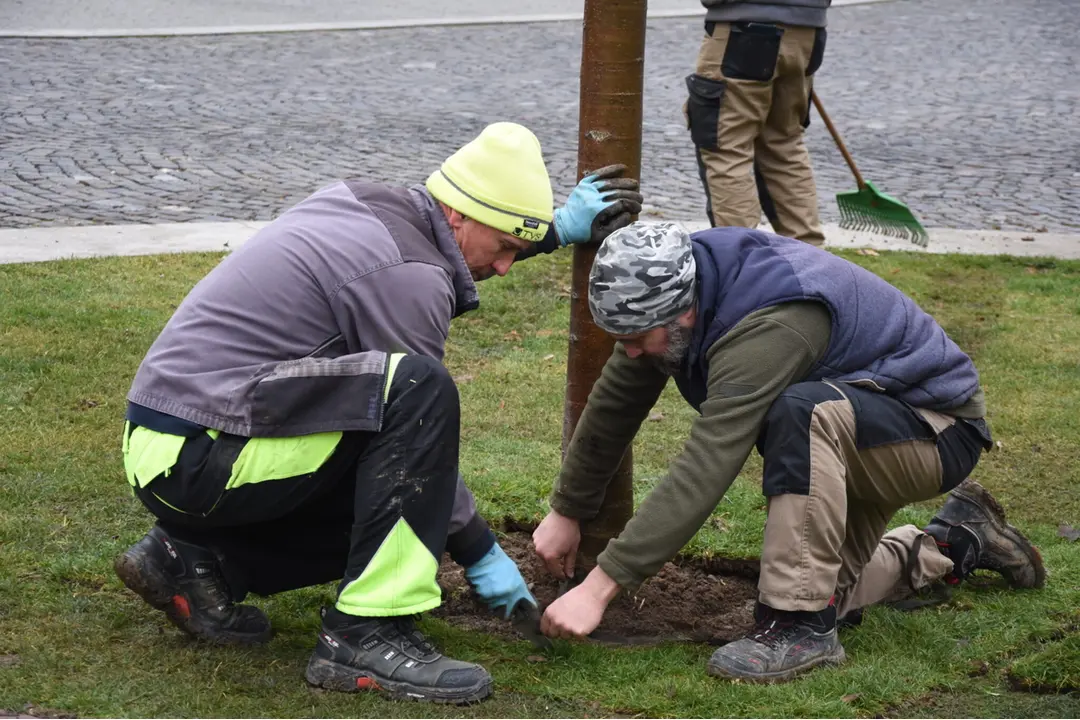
point(856, 399)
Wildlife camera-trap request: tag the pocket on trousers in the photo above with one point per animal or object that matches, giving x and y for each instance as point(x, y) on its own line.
point(703, 110)
point(751, 52)
point(817, 54)
point(195, 484)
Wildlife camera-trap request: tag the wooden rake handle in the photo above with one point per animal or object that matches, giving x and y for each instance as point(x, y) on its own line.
point(839, 142)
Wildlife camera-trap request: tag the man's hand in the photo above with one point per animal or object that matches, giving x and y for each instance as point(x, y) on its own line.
point(600, 204)
point(498, 582)
point(578, 612)
point(556, 541)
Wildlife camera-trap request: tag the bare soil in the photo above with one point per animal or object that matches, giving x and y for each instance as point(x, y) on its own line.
point(690, 600)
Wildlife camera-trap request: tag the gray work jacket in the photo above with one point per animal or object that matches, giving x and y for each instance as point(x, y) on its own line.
point(290, 334)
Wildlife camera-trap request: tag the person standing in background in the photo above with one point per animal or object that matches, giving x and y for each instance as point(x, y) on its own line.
point(748, 107)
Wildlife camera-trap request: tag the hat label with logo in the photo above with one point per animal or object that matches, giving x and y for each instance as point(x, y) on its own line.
point(530, 235)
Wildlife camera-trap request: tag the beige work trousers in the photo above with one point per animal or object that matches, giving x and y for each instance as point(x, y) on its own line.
point(749, 102)
point(828, 540)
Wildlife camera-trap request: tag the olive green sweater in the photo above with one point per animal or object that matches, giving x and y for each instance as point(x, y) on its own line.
point(749, 367)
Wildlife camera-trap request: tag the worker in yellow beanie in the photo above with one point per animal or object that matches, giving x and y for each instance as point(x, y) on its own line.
point(499, 179)
point(499, 182)
point(293, 423)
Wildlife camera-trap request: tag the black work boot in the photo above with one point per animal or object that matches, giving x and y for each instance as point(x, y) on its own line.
point(970, 530)
point(185, 581)
point(391, 656)
point(781, 645)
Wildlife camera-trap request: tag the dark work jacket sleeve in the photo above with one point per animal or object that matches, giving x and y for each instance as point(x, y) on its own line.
point(549, 244)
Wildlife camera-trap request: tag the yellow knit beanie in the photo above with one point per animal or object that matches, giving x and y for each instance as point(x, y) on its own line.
point(499, 179)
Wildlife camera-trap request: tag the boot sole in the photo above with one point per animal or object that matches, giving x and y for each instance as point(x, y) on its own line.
point(779, 676)
point(979, 496)
point(142, 576)
point(330, 675)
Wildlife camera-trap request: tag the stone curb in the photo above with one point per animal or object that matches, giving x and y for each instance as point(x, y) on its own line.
point(44, 244)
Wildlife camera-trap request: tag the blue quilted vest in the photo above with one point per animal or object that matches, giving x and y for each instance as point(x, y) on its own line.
point(880, 338)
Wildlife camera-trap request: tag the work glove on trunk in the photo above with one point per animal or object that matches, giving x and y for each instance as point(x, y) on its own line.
point(498, 582)
point(602, 202)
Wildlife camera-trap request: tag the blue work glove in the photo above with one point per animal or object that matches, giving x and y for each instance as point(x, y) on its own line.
point(601, 203)
point(498, 582)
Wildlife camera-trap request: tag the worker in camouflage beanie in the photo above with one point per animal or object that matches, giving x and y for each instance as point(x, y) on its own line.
point(642, 278)
point(856, 399)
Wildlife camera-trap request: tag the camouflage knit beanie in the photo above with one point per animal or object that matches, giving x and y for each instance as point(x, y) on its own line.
point(643, 277)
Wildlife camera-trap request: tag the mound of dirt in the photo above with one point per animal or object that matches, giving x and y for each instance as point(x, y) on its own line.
point(706, 601)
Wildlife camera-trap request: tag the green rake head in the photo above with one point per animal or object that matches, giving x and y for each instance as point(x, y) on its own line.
point(872, 210)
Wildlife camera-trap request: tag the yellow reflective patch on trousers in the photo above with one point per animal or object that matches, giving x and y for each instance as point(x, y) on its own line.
point(148, 454)
point(399, 580)
point(391, 368)
point(264, 459)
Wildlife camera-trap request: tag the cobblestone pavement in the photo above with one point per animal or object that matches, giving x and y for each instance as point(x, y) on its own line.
point(964, 109)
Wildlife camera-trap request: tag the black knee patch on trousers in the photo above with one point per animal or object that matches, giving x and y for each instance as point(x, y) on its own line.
point(784, 440)
point(960, 447)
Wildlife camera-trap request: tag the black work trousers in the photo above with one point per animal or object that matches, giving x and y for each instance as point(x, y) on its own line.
point(388, 493)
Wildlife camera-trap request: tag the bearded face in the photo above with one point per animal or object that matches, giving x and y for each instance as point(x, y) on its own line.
point(678, 344)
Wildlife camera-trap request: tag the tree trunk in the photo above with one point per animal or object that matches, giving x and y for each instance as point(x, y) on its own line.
point(612, 75)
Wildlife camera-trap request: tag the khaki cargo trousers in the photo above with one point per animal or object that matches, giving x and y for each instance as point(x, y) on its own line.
point(839, 462)
point(748, 106)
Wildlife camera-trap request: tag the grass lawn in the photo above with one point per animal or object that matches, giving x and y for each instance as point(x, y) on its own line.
point(73, 639)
